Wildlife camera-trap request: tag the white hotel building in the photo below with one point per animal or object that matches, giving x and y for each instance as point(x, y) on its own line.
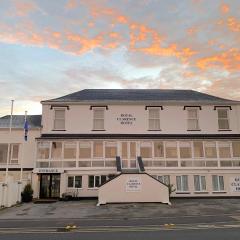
point(181, 137)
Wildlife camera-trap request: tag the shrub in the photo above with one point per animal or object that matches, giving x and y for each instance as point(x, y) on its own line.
point(27, 193)
point(171, 189)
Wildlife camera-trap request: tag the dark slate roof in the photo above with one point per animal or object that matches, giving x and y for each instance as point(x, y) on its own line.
point(137, 95)
point(34, 121)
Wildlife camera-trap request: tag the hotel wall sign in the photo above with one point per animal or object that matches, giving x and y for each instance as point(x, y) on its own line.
point(134, 184)
point(48, 170)
point(126, 119)
point(235, 184)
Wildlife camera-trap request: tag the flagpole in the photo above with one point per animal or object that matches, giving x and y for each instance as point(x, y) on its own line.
point(9, 142)
point(10, 123)
point(21, 173)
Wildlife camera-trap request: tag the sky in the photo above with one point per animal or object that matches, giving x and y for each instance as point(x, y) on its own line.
point(50, 48)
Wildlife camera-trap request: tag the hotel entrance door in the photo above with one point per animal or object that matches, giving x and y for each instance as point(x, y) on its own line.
point(129, 155)
point(49, 185)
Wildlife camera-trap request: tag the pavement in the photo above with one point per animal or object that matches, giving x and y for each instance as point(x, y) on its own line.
point(88, 209)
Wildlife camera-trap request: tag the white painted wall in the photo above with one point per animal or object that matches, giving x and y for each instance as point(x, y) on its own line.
point(79, 119)
point(26, 149)
point(149, 190)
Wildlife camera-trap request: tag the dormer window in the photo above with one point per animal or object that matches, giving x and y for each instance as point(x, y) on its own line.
point(59, 119)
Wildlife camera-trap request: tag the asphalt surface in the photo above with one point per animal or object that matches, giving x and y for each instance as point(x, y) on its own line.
point(183, 234)
point(185, 219)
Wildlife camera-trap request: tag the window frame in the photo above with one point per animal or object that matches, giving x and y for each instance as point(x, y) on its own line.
point(191, 118)
point(94, 181)
point(55, 119)
point(94, 118)
point(74, 181)
point(201, 189)
point(223, 118)
point(11, 159)
point(154, 119)
point(182, 190)
point(218, 184)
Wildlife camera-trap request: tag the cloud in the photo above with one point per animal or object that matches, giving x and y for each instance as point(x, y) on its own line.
point(23, 7)
point(228, 60)
point(233, 24)
point(225, 8)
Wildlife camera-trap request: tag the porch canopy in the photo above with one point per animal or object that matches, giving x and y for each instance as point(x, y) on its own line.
point(133, 187)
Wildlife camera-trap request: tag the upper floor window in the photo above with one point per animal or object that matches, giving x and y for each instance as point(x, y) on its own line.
point(223, 121)
point(98, 149)
point(193, 122)
point(154, 118)
point(198, 149)
point(3, 153)
point(158, 149)
point(236, 148)
point(56, 152)
point(224, 149)
point(110, 149)
point(185, 149)
point(146, 149)
point(43, 150)
point(171, 149)
point(59, 119)
point(14, 150)
point(98, 119)
point(70, 150)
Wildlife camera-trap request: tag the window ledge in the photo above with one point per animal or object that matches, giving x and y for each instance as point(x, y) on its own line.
point(185, 192)
point(98, 130)
point(154, 130)
point(94, 188)
point(201, 192)
point(194, 130)
point(224, 130)
point(55, 130)
point(219, 192)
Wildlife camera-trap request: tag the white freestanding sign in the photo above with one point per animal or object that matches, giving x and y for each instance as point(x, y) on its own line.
point(134, 184)
point(235, 184)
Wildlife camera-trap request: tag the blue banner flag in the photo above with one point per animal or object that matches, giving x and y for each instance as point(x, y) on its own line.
point(26, 127)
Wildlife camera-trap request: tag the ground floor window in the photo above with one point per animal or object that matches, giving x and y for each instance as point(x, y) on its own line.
point(94, 181)
point(217, 183)
point(75, 181)
point(182, 183)
point(199, 183)
point(164, 179)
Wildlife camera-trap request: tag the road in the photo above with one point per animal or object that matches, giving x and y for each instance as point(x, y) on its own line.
point(205, 227)
point(192, 219)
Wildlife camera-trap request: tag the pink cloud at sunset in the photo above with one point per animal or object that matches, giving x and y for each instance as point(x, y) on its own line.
point(142, 44)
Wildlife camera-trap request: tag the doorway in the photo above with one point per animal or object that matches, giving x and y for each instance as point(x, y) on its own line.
point(50, 185)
